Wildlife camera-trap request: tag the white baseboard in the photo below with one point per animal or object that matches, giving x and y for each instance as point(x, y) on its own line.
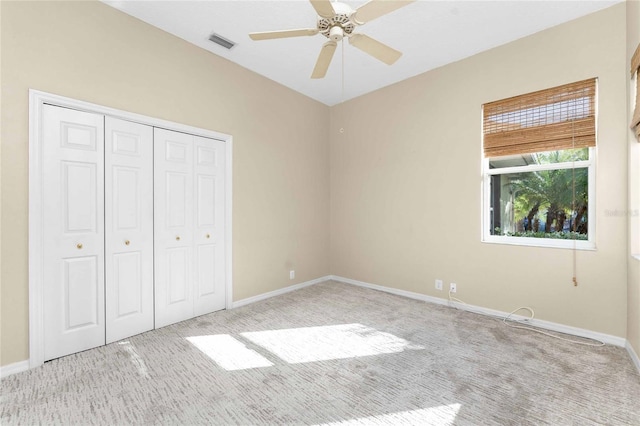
point(16, 367)
point(633, 355)
point(606, 338)
point(405, 293)
point(278, 292)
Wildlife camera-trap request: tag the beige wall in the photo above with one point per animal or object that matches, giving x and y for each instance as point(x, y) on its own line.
point(406, 181)
point(92, 52)
point(633, 291)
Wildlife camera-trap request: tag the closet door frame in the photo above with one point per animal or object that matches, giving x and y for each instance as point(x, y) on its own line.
point(37, 100)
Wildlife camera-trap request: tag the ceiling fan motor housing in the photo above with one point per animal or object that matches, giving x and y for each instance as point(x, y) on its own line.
point(336, 26)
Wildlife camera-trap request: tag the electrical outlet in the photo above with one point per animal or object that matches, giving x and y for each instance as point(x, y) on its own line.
point(439, 285)
point(452, 288)
point(292, 274)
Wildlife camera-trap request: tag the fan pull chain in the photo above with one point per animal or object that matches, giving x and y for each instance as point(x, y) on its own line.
point(342, 99)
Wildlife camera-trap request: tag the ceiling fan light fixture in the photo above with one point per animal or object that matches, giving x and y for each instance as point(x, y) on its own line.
point(336, 33)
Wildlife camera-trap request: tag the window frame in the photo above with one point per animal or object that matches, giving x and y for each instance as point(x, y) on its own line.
point(589, 244)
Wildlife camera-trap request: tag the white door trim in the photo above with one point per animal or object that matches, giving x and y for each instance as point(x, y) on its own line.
point(37, 99)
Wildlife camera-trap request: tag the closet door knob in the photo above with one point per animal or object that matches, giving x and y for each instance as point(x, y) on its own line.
point(79, 246)
point(208, 236)
point(127, 242)
point(178, 238)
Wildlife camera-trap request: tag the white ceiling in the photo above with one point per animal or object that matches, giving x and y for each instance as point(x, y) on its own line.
point(429, 33)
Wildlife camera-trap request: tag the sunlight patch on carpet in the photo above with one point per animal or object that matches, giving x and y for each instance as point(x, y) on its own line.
point(443, 415)
point(228, 352)
point(135, 358)
point(309, 344)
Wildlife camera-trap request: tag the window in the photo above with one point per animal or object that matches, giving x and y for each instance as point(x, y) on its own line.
point(539, 153)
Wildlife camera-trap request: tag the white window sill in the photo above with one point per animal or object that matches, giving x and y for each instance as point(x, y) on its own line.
point(636, 256)
point(541, 242)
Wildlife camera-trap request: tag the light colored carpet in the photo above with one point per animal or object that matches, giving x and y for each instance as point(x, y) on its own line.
point(332, 354)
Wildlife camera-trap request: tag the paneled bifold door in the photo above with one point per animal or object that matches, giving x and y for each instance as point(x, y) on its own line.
point(98, 229)
point(189, 226)
point(128, 228)
point(73, 231)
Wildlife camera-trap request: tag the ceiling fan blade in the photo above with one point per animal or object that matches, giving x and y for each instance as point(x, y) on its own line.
point(268, 35)
point(374, 48)
point(324, 59)
point(376, 8)
point(323, 8)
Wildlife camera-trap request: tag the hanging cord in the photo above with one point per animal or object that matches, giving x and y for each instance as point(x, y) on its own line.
point(342, 42)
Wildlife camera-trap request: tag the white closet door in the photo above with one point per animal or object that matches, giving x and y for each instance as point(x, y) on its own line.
point(173, 213)
point(73, 236)
point(209, 280)
point(128, 228)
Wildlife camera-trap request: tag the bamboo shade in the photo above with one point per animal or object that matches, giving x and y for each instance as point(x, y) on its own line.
point(635, 121)
point(635, 61)
point(635, 68)
point(562, 117)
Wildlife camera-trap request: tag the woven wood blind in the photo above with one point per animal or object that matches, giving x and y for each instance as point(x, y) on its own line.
point(562, 117)
point(635, 68)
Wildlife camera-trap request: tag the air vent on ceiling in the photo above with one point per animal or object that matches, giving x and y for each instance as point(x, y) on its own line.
point(218, 39)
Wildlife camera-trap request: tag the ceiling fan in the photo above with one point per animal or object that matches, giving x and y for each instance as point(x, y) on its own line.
point(338, 20)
